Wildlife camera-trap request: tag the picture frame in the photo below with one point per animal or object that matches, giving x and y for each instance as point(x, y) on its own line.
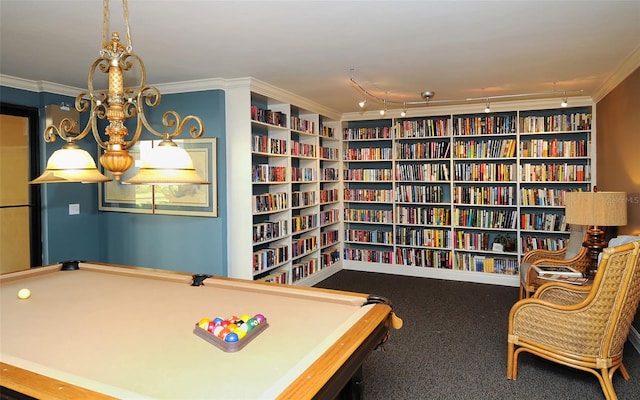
point(186, 200)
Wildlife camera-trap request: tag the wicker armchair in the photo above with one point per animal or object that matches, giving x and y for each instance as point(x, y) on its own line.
point(584, 327)
point(573, 255)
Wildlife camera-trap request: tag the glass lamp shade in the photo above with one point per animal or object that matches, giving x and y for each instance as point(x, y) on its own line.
point(71, 164)
point(167, 164)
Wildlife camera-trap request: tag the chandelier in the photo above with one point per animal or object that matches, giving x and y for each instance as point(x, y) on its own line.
point(166, 163)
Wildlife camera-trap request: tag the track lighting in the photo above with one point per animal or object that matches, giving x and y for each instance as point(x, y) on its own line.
point(427, 96)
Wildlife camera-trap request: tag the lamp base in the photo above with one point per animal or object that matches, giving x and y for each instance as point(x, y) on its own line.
point(595, 243)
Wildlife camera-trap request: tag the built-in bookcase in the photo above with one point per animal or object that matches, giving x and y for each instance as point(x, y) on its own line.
point(290, 233)
point(463, 195)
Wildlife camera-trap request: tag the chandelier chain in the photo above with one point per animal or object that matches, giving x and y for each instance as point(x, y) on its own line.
point(105, 22)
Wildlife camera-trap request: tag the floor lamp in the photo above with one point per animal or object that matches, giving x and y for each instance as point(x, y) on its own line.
point(595, 210)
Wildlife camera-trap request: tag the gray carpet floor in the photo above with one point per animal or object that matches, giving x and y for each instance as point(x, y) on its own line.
point(453, 345)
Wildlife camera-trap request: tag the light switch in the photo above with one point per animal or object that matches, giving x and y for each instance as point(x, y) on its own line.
point(74, 209)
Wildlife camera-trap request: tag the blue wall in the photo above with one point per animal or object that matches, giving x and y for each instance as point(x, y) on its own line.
point(191, 244)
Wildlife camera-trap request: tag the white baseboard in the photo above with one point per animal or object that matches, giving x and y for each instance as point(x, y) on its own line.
point(634, 338)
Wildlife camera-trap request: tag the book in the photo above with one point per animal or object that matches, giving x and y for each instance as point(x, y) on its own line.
point(556, 270)
point(574, 280)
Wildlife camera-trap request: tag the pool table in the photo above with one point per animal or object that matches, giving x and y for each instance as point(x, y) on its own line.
point(97, 331)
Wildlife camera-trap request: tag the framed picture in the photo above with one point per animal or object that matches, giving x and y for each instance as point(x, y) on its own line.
point(190, 200)
point(197, 200)
point(118, 196)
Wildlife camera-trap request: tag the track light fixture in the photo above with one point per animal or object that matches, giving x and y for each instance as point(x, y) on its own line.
point(364, 101)
point(427, 96)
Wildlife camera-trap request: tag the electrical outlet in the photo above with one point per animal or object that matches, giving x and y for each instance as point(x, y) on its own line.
point(74, 209)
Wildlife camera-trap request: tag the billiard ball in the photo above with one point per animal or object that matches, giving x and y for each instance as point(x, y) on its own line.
point(24, 293)
point(231, 337)
point(260, 318)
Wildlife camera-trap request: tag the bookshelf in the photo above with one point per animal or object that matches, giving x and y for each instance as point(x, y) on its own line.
point(283, 173)
point(429, 195)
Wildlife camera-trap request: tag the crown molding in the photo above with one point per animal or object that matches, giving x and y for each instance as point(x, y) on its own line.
point(627, 67)
point(38, 86)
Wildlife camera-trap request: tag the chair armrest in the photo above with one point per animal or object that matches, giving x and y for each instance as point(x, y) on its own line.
point(535, 255)
point(562, 293)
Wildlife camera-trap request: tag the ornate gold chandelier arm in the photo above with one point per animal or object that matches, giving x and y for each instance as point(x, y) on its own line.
point(62, 130)
point(172, 119)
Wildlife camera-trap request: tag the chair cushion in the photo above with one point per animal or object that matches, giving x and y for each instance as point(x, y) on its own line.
point(524, 268)
point(618, 241)
point(576, 237)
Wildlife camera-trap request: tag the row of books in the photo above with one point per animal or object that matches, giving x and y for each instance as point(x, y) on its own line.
point(480, 263)
point(535, 243)
point(543, 222)
point(424, 258)
point(555, 173)
point(419, 194)
point(483, 218)
point(376, 216)
point(268, 116)
point(425, 172)
point(270, 230)
point(542, 148)
point(280, 276)
point(329, 196)
point(328, 238)
point(302, 125)
point(544, 196)
point(367, 255)
point(425, 237)
point(303, 245)
point(422, 151)
point(379, 132)
point(484, 195)
point(265, 144)
point(329, 257)
point(264, 173)
point(484, 125)
point(368, 154)
point(268, 202)
point(576, 121)
point(329, 174)
point(374, 195)
point(423, 215)
point(300, 174)
point(498, 148)
point(368, 236)
point(304, 199)
point(303, 269)
point(327, 132)
point(329, 217)
point(329, 153)
point(367, 175)
point(471, 240)
point(301, 223)
point(485, 172)
point(265, 259)
point(303, 149)
point(422, 128)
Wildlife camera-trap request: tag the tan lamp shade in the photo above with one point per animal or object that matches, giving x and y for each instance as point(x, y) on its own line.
point(596, 208)
point(71, 164)
point(167, 164)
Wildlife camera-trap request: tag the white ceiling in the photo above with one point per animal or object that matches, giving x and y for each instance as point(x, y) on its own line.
point(398, 49)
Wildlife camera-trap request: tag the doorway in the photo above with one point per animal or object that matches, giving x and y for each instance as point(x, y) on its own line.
point(20, 220)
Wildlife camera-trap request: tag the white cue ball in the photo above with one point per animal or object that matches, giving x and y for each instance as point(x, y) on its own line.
point(24, 294)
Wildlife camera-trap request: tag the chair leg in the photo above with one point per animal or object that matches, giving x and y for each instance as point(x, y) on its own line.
point(607, 384)
point(512, 362)
point(624, 372)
